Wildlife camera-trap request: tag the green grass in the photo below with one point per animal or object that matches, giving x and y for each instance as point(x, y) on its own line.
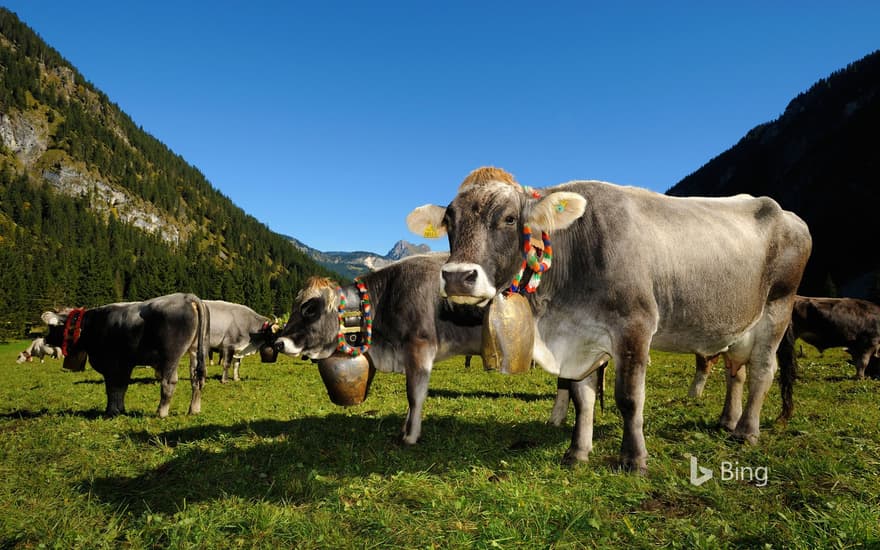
point(271, 463)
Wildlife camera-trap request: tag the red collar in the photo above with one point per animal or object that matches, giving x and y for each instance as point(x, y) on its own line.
point(72, 328)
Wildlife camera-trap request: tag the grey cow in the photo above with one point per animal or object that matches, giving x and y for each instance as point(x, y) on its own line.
point(117, 337)
point(632, 270)
point(39, 349)
point(412, 326)
point(236, 331)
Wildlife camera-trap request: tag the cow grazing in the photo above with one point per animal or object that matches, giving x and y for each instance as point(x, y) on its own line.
point(236, 331)
point(411, 326)
point(840, 322)
point(39, 349)
point(631, 270)
point(117, 337)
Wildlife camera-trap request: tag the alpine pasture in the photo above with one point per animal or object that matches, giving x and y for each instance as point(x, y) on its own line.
point(272, 463)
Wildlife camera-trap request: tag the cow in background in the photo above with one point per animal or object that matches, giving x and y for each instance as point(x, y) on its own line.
point(237, 331)
point(38, 348)
point(840, 322)
point(411, 326)
point(117, 337)
point(632, 269)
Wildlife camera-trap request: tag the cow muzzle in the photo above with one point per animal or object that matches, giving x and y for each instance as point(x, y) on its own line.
point(287, 347)
point(465, 283)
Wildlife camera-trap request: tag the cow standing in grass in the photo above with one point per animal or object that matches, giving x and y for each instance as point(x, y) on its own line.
point(236, 332)
point(841, 322)
point(39, 349)
point(117, 337)
point(631, 270)
point(411, 326)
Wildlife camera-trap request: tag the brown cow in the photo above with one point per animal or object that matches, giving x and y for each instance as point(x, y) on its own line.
point(840, 322)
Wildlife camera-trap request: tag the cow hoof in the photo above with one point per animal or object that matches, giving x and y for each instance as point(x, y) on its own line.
point(727, 425)
point(573, 457)
point(746, 438)
point(638, 466)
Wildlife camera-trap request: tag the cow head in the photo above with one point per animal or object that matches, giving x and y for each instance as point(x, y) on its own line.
point(24, 357)
point(75, 359)
point(314, 321)
point(484, 224)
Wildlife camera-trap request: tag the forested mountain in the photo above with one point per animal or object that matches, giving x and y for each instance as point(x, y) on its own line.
point(820, 159)
point(95, 210)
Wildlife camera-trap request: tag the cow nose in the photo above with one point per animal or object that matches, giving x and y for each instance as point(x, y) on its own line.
point(460, 282)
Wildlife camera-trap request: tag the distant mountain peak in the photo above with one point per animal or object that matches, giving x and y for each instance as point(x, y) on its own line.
point(351, 264)
point(402, 249)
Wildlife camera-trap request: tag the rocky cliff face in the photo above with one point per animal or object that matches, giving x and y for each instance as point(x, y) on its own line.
point(26, 137)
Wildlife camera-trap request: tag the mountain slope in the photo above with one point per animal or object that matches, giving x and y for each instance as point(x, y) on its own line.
point(820, 159)
point(93, 209)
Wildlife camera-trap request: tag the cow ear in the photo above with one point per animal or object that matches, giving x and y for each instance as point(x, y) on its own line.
point(51, 318)
point(427, 221)
point(557, 211)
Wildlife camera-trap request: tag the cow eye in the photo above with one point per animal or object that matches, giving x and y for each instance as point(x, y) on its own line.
point(510, 220)
point(311, 309)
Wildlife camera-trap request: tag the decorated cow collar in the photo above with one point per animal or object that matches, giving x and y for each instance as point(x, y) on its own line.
point(536, 260)
point(355, 325)
point(72, 329)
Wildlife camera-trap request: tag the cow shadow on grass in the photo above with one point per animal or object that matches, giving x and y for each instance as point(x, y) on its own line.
point(479, 394)
point(313, 458)
point(133, 381)
point(91, 414)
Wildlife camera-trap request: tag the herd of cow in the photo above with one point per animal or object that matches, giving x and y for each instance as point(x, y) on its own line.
point(618, 271)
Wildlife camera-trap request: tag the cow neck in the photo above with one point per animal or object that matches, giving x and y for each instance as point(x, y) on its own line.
point(72, 329)
point(355, 319)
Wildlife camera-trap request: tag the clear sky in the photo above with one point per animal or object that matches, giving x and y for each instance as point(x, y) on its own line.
point(330, 120)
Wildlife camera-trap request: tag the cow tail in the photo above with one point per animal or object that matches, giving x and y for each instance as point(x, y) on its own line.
point(600, 385)
point(787, 358)
point(203, 326)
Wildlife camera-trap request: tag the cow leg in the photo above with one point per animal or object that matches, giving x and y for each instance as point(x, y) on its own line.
point(736, 377)
point(416, 391)
point(629, 395)
point(560, 406)
point(762, 366)
point(583, 396)
point(701, 374)
point(861, 358)
point(167, 383)
point(116, 384)
point(236, 362)
point(226, 359)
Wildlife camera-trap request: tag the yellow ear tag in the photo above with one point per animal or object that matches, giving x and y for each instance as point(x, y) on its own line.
point(430, 232)
point(560, 206)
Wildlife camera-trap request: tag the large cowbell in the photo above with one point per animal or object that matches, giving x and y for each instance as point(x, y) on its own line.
point(508, 334)
point(346, 378)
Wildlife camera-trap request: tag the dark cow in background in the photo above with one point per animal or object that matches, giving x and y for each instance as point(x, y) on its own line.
point(237, 331)
point(117, 337)
point(39, 349)
point(824, 323)
point(412, 326)
point(631, 270)
point(840, 322)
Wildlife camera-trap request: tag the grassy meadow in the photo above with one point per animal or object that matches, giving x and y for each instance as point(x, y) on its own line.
point(272, 463)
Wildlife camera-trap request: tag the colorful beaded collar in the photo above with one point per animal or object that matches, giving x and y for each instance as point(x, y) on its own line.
point(355, 321)
point(537, 260)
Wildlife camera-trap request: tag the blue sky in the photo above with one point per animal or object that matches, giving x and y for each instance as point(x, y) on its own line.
point(329, 120)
